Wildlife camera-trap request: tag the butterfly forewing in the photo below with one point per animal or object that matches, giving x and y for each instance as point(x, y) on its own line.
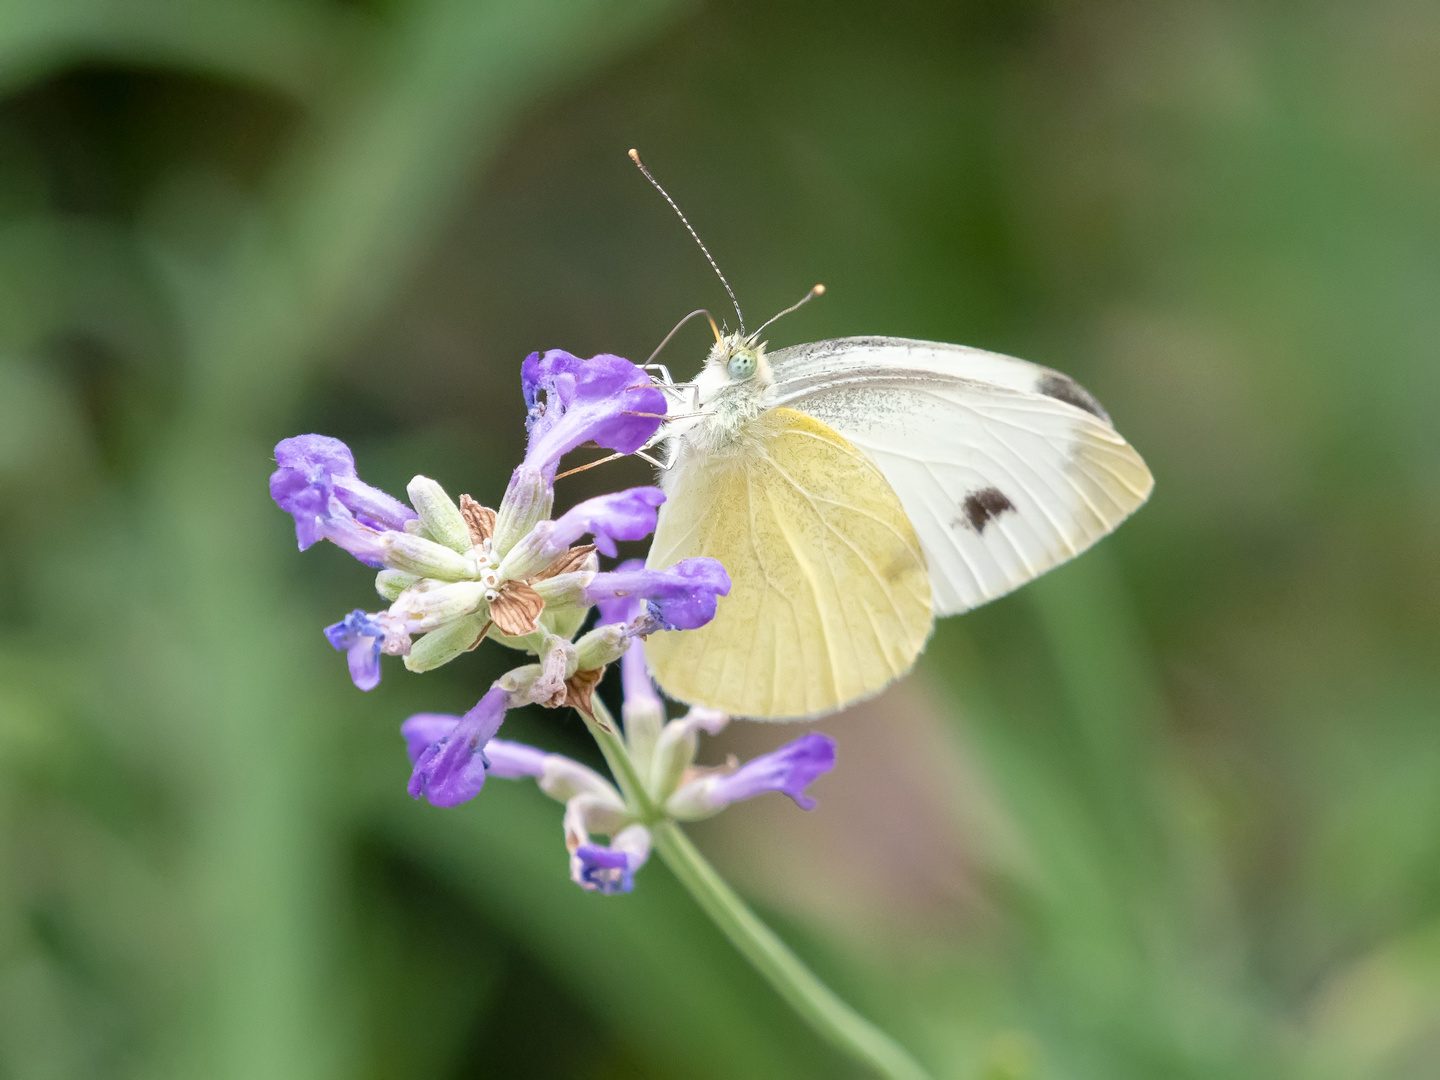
point(830, 596)
point(1006, 469)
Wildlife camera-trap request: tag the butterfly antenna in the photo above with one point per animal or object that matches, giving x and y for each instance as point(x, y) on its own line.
point(682, 322)
point(818, 290)
point(635, 157)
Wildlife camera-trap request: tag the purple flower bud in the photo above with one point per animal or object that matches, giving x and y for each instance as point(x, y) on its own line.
point(788, 770)
point(360, 636)
point(451, 770)
point(594, 399)
point(680, 598)
point(316, 484)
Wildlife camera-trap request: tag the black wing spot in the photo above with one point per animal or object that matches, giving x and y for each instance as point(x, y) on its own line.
point(983, 507)
point(1063, 388)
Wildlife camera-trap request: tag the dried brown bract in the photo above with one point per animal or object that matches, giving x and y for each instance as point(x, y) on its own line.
point(580, 688)
point(481, 520)
point(573, 559)
point(517, 609)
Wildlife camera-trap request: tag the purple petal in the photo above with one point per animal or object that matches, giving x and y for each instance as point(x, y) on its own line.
point(364, 660)
point(788, 770)
point(305, 495)
point(451, 770)
point(680, 598)
point(624, 515)
point(307, 452)
point(359, 635)
point(317, 485)
point(601, 869)
point(422, 729)
point(593, 399)
point(609, 870)
point(355, 626)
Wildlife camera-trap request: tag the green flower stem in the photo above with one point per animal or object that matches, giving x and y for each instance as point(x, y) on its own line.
point(607, 734)
point(816, 1003)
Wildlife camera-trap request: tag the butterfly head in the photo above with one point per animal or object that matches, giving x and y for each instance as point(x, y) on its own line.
point(736, 359)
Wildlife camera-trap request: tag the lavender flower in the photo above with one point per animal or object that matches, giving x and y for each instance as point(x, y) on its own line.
point(606, 400)
point(361, 636)
point(625, 515)
point(457, 573)
point(788, 770)
point(611, 870)
point(580, 406)
point(663, 758)
point(317, 484)
point(451, 769)
point(682, 597)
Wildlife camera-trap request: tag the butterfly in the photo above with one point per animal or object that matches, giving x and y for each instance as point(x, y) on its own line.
point(856, 489)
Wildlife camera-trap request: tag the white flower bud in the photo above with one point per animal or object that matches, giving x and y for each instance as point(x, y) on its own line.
point(527, 501)
point(449, 641)
point(423, 558)
point(439, 514)
point(601, 646)
point(391, 583)
point(675, 749)
point(425, 609)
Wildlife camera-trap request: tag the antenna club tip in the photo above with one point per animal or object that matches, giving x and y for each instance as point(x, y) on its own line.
point(633, 155)
point(818, 290)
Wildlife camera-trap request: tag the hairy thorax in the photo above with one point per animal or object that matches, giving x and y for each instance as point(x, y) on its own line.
point(727, 408)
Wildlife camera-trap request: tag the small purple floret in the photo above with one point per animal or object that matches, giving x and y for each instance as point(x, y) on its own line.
point(316, 484)
point(320, 453)
point(595, 399)
point(625, 515)
point(682, 597)
point(602, 869)
point(788, 770)
point(422, 729)
point(451, 770)
point(359, 635)
point(305, 494)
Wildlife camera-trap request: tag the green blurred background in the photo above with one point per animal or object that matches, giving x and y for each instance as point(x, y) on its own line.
point(1172, 812)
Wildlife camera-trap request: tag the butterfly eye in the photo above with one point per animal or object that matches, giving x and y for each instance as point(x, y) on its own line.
point(742, 365)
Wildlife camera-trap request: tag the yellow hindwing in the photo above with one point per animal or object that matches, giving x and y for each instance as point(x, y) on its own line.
point(830, 596)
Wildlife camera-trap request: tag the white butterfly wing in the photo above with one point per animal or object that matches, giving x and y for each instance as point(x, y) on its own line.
point(1005, 468)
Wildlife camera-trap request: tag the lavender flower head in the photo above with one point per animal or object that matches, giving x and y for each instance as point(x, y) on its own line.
point(458, 573)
